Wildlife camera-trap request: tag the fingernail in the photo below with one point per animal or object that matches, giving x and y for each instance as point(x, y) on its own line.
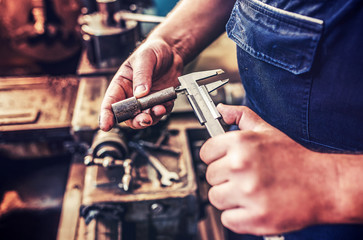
point(144, 123)
point(139, 89)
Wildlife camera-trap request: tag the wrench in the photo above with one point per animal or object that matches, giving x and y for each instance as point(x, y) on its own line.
point(166, 175)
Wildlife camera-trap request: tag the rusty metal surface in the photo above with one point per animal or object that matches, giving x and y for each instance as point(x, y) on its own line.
point(34, 103)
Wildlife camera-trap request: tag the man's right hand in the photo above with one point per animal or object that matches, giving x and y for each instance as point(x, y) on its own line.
point(152, 67)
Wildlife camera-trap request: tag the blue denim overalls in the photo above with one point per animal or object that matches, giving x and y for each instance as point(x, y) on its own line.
point(301, 63)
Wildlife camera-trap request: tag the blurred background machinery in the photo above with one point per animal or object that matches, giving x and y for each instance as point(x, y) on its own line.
point(62, 178)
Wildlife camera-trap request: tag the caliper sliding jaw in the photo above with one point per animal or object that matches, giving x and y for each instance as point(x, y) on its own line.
point(200, 100)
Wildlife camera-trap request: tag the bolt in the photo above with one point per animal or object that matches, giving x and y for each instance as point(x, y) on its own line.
point(156, 208)
point(88, 160)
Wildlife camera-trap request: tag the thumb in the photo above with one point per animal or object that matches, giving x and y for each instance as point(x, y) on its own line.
point(242, 116)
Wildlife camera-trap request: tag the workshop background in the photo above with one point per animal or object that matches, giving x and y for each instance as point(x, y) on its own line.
point(60, 176)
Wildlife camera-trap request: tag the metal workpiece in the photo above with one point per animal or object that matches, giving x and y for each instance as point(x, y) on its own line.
point(198, 96)
point(130, 107)
point(126, 109)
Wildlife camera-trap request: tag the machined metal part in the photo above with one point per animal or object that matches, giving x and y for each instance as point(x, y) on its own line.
point(108, 42)
point(108, 149)
point(130, 107)
point(111, 34)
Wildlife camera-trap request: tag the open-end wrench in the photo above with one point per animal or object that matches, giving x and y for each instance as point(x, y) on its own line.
point(166, 176)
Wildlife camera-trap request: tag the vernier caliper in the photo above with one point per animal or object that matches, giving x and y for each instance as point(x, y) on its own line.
point(198, 96)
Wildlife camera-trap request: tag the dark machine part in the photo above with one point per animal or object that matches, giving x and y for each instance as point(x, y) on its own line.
point(44, 30)
point(110, 34)
point(108, 149)
point(172, 219)
point(108, 41)
point(110, 143)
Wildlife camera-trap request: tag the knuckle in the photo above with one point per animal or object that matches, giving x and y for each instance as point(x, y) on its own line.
point(238, 163)
point(249, 187)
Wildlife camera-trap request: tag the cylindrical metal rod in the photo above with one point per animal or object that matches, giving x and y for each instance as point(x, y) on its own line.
point(130, 107)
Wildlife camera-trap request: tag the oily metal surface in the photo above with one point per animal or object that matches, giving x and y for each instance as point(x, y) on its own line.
point(31, 103)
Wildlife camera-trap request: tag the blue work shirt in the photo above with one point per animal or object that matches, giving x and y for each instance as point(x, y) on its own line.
point(301, 64)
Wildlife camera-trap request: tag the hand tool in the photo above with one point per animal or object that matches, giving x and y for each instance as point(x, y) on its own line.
point(166, 175)
point(158, 145)
point(198, 96)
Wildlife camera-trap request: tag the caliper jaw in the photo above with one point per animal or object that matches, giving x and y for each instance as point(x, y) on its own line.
point(200, 100)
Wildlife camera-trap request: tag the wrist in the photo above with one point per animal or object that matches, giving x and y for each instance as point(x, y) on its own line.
point(182, 46)
point(341, 196)
point(322, 172)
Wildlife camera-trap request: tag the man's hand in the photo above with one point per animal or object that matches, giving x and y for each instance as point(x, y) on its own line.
point(152, 67)
point(264, 182)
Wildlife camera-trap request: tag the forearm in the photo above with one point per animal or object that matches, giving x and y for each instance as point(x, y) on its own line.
point(193, 25)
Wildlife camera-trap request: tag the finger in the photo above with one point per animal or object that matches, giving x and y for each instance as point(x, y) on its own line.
point(234, 219)
point(143, 72)
point(159, 111)
point(214, 148)
point(217, 172)
point(221, 196)
point(115, 92)
point(106, 119)
point(242, 220)
point(244, 117)
point(142, 120)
